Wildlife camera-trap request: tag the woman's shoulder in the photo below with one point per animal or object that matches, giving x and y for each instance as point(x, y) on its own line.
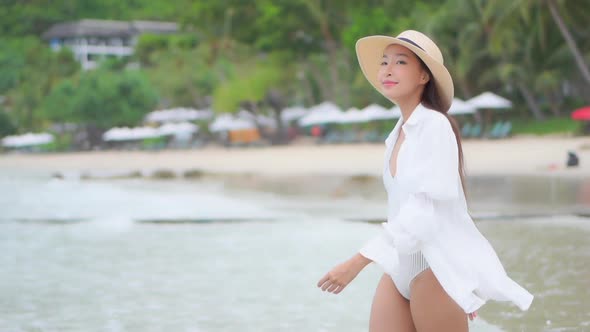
point(436, 121)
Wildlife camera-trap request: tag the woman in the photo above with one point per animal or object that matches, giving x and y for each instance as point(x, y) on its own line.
point(438, 268)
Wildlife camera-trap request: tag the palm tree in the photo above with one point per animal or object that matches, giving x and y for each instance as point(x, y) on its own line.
point(460, 29)
point(571, 43)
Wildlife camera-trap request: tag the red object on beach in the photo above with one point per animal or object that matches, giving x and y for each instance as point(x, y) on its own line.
point(581, 114)
point(316, 131)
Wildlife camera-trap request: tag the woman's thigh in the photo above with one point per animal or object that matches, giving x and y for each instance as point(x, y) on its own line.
point(432, 308)
point(390, 310)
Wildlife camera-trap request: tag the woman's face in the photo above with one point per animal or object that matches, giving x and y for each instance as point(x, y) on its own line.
point(401, 74)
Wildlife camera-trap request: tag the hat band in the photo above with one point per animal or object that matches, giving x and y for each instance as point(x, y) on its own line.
point(411, 42)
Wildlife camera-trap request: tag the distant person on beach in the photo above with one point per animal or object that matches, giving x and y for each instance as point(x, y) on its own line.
point(439, 269)
point(572, 159)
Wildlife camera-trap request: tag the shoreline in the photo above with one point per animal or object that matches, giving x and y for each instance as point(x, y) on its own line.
point(539, 156)
point(504, 178)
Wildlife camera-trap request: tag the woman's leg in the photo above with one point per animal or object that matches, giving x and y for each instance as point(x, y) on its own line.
point(432, 309)
point(390, 310)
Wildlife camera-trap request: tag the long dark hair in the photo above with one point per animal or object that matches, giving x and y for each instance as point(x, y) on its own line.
point(432, 99)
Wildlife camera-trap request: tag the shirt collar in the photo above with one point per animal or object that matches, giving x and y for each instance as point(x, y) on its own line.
point(410, 125)
point(415, 117)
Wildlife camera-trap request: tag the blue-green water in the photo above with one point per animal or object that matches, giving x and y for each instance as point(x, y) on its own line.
point(128, 256)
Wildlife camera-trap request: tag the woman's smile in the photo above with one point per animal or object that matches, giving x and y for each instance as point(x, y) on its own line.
point(389, 84)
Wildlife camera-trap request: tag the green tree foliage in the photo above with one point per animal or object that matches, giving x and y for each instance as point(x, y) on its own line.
point(102, 98)
point(12, 65)
point(31, 71)
point(532, 52)
point(250, 84)
point(148, 45)
point(187, 77)
point(7, 127)
point(33, 17)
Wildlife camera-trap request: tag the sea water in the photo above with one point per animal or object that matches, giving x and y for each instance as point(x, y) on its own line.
point(140, 255)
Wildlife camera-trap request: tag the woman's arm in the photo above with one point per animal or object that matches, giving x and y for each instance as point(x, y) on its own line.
point(341, 275)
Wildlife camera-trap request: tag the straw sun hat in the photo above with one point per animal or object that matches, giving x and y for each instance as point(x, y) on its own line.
point(369, 51)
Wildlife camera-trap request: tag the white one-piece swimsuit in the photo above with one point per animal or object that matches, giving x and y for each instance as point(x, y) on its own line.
point(409, 265)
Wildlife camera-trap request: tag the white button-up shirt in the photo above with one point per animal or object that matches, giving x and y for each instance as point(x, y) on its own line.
point(427, 211)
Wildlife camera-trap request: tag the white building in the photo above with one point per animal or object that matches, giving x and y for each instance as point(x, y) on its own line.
point(92, 40)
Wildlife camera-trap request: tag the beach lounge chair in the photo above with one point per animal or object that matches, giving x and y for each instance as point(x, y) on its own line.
point(331, 137)
point(475, 130)
point(495, 131)
point(505, 129)
point(348, 137)
point(372, 136)
point(466, 130)
point(500, 130)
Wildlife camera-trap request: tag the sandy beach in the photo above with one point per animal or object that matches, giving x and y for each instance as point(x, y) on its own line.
point(514, 156)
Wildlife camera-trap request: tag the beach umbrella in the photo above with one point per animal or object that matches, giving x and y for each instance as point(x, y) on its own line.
point(397, 111)
point(581, 114)
point(116, 134)
point(353, 115)
point(266, 121)
point(220, 123)
point(489, 100)
point(378, 112)
point(141, 133)
point(293, 113)
point(460, 107)
point(326, 106)
point(182, 131)
point(226, 122)
point(178, 114)
point(178, 128)
point(243, 114)
point(29, 139)
point(323, 113)
point(240, 124)
point(317, 118)
point(130, 134)
point(262, 120)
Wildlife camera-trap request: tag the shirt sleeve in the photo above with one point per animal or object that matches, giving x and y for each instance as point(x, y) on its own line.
point(433, 179)
point(382, 251)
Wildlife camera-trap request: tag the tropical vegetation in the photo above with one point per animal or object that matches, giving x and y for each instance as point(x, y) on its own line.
point(264, 55)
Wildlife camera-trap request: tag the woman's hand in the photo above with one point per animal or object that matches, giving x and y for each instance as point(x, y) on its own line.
point(341, 275)
point(472, 315)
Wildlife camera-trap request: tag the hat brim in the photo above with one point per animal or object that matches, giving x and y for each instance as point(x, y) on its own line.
point(369, 52)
